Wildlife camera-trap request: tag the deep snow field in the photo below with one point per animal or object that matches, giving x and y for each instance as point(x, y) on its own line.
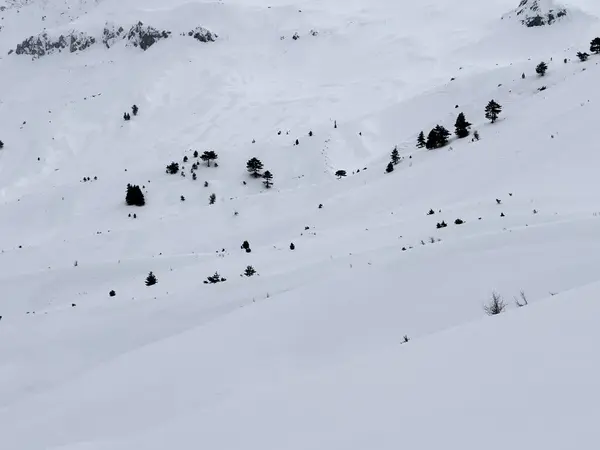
point(308, 354)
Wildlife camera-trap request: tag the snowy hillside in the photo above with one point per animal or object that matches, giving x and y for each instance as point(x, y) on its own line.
point(310, 351)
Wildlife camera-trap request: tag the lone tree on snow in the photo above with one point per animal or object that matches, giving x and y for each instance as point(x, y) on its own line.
point(268, 176)
point(211, 199)
point(421, 142)
point(395, 156)
point(1, 144)
point(495, 306)
point(254, 166)
point(583, 56)
point(173, 168)
point(134, 196)
point(492, 111)
point(249, 271)
point(151, 279)
point(134, 110)
point(595, 45)
point(126, 117)
point(209, 156)
point(461, 126)
point(541, 69)
point(340, 174)
point(390, 167)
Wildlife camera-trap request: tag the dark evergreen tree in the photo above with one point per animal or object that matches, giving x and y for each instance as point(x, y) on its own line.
point(194, 176)
point(395, 156)
point(185, 159)
point(292, 246)
point(541, 69)
point(268, 176)
point(595, 45)
point(297, 142)
point(134, 196)
point(182, 198)
point(173, 168)
point(206, 184)
point(211, 199)
point(583, 56)
point(437, 138)
point(1, 144)
point(245, 246)
point(249, 271)
point(421, 142)
point(254, 166)
point(209, 156)
point(151, 279)
point(461, 126)
point(390, 167)
point(112, 293)
point(492, 111)
point(126, 117)
point(216, 278)
point(195, 153)
point(340, 174)
point(134, 110)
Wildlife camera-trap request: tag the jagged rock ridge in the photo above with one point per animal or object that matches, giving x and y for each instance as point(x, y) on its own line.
point(537, 13)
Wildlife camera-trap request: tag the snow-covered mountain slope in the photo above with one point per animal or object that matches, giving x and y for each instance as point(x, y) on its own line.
point(307, 352)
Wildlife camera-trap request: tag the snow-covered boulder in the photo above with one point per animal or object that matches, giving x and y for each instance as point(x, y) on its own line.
point(202, 34)
point(537, 13)
point(111, 34)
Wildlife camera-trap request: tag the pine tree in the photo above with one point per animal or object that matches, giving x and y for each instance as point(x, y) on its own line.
point(541, 69)
point(1, 144)
point(583, 56)
point(390, 167)
point(421, 142)
point(254, 166)
point(246, 246)
point(195, 153)
point(211, 199)
point(209, 156)
point(268, 176)
point(461, 126)
point(134, 110)
point(249, 271)
point(151, 279)
point(182, 198)
point(173, 168)
point(340, 174)
point(492, 111)
point(126, 117)
point(437, 138)
point(292, 246)
point(595, 45)
point(395, 156)
point(134, 196)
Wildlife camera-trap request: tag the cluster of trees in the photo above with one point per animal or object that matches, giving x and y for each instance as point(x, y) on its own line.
point(134, 196)
point(394, 159)
point(439, 136)
point(254, 167)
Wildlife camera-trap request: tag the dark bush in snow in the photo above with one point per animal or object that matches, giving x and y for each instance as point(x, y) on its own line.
point(151, 279)
point(216, 278)
point(173, 168)
point(495, 306)
point(112, 293)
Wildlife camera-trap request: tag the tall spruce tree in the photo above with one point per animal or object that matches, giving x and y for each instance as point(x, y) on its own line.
point(421, 142)
point(437, 138)
point(461, 127)
point(268, 177)
point(492, 111)
point(595, 45)
point(254, 166)
point(395, 156)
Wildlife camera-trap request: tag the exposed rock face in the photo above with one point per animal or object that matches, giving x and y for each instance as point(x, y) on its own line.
point(537, 13)
point(140, 36)
point(112, 34)
point(202, 34)
point(144, 36)
point(42, 44)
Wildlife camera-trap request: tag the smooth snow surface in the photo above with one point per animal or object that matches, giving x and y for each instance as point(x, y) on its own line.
point(307, 354)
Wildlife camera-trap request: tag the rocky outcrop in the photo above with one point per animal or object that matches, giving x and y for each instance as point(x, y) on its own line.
point(202, 34)
point(43, 44)
point(537, 13)
point(144, 36)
